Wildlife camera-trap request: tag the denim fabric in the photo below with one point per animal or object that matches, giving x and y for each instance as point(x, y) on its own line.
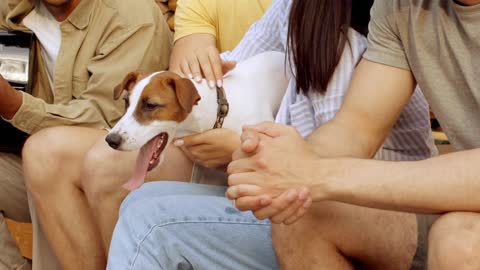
point(171, 225)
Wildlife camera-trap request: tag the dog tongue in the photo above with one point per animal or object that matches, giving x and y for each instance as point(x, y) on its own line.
point(142, 164)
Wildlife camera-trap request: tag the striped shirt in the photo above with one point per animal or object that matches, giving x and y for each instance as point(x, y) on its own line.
point(409, 139)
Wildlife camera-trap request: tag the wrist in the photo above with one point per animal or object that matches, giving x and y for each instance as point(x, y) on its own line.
point(10, 100)
point(325, 185)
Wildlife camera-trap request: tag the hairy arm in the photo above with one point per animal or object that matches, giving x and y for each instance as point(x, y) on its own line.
point(440, 184)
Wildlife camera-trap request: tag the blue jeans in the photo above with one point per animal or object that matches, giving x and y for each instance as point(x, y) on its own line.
point(172, 225)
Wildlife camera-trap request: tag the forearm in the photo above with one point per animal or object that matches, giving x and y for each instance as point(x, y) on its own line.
point(35, 114)
point(10, 100)
point(336, 139)
point(441, 184)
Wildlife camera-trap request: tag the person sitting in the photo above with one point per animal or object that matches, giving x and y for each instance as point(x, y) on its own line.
point(169, 225)
point(92, 194)
point(84, 48)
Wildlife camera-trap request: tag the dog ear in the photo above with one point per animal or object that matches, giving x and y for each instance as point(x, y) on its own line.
point(127, 84)
point(187, 94)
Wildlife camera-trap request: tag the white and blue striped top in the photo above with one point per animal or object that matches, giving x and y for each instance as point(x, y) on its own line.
point(410, 138)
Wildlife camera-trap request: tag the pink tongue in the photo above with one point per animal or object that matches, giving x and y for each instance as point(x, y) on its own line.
point(141, 166)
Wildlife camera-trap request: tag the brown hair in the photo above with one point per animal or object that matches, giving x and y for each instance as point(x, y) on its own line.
point(317, 36)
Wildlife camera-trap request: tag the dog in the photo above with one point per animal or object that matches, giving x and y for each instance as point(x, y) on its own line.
point(163, 105)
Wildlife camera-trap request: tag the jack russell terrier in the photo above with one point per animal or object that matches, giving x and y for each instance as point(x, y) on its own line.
point(163, 105)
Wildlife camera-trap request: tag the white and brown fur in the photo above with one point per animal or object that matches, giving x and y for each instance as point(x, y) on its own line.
point(254, 90)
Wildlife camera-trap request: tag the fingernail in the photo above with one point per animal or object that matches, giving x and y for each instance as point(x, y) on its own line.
point(178, 143)
point(198, 78)
point(219, 83)
point(303, 195)
point(211, 84)
point(190, 76)
point(291, 195)
point(264, 202)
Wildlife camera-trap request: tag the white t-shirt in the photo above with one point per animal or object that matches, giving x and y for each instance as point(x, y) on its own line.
point(48, 32)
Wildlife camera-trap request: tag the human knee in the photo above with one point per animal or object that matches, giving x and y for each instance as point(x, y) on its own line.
point(287, 238)
point(454, 241)
point(101, 171)
point(43, 154)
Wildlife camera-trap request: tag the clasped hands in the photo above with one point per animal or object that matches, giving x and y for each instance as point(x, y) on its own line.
point(271, 173)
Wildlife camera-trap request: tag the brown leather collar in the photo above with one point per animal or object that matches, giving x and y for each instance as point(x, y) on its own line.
point(223, 107)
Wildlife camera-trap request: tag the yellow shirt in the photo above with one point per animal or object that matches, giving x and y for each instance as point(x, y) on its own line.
point(227, 20)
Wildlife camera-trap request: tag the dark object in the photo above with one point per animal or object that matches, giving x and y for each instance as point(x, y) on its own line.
point(223, 107)
point(16, 66)
point(114, 140)
point(317, 36)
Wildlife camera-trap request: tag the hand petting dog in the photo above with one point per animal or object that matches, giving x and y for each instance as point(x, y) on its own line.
point(268, 174)
point(212, 148)
point(206, 63)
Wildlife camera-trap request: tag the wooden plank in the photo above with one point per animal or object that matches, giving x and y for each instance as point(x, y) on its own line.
point(22, 233)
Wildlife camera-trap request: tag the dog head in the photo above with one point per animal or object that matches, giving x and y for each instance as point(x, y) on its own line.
point(155, 105)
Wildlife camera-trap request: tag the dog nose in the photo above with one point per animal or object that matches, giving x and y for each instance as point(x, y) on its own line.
point(114, 140)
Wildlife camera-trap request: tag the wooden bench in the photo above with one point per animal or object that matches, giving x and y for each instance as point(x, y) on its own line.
point(22, 233)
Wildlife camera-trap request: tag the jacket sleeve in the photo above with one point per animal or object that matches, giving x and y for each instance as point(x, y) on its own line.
point(4, 9)
point(146, 48)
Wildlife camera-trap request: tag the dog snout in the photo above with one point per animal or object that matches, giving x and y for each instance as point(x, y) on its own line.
point(114, 140)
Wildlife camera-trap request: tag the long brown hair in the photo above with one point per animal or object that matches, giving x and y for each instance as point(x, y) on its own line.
point(317, 36)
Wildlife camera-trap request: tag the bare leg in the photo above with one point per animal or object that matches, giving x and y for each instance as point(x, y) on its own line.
point(333, 233)
point(106, 170)
point(54, 161)
point(52, 165)
point(454, 242)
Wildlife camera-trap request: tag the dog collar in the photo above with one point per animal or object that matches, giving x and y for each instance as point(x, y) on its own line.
point(223, 107)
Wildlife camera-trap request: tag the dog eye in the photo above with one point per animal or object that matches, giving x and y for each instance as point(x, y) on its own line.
point(151, 106)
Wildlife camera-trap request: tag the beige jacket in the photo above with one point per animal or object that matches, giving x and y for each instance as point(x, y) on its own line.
point(102, 40)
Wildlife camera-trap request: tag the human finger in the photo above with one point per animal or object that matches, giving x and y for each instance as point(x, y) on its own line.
point(200, 151)
point(185, 69)
point(244, 190)
point(239, 166)
point(278, 205)
point(216, 66)
point(207, 69)
point(250, 139)
point(227, 66)
point(190, 140)
point(253, 203)
point(300, 212)
point(195, 68)
point(290, 211)
point(272, 129)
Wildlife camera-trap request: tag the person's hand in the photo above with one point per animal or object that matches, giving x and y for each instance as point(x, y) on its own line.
point(206, 63)
point(10, 99)
point(272, 172)
point(212, 148)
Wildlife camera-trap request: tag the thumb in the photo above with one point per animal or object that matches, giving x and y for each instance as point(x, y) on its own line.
point(250, 139)
point(188, 141)
point(270, 129)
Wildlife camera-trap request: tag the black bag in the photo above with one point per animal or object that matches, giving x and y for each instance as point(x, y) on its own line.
point(16, 66)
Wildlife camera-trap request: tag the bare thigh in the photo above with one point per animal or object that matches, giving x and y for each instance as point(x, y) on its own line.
point(379, 239)
point(108, 169)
